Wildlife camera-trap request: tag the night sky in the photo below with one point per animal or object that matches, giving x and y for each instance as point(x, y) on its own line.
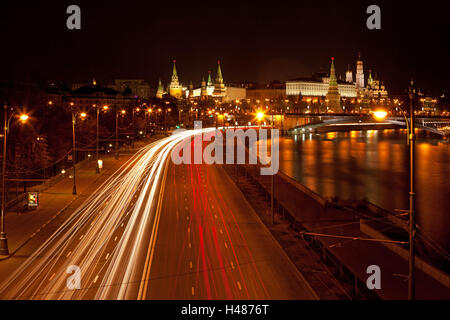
point(255, 40)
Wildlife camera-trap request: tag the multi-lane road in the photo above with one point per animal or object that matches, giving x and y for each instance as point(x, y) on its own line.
point(156, 230)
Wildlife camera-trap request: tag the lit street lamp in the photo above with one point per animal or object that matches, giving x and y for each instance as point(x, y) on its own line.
point(74, 116)
point(3, 239)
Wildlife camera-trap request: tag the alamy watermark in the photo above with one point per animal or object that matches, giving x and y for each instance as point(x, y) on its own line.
point(374, 20)
point(213, 153)
point(73, 282)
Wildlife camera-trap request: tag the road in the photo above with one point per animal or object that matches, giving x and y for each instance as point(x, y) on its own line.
point(155, 230)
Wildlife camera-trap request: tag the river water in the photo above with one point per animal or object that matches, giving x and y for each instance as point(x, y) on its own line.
point(374, 164)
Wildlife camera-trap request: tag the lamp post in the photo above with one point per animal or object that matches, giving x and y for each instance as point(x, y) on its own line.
point(74, 117)
point(412, 139)
point(116, 145)
point(3, 239)
point(165, 118)
point(132, 124)
point(411, 224)
point(97, 165)
point(97, 168)
point(272, 182)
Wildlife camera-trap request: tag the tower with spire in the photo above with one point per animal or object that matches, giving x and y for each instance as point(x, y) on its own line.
point(203, 92)
point(219, 86)
point(349, 75)
point(175, 88)
point(359, 73)
point(191, 89)
point(333, 96)
point(209, 85)
point(370, 83)
point(160, 92)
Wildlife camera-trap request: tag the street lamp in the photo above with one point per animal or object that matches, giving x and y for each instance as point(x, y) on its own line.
point(97, 167)
point(272, 182)
point(3, 239)
point(74, 117)
point(411, 141)
point(149, 112)
point(133, 124)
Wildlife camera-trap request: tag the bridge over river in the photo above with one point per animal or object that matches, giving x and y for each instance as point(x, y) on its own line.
point(298, 123)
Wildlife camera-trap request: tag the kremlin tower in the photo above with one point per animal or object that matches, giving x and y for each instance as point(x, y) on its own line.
point(191, 89)
point(204, 92)
point(370, 80)
point(349, 75)
point(175, 89)
point(219, 86)
point(333, 96)
point(359, 73)
point(160, 92)
point(209, 85)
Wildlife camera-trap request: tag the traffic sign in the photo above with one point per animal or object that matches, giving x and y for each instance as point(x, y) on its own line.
point(33, 199)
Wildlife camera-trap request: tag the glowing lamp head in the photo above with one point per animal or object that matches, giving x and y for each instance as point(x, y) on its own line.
point(260, 115)
point(105, 107)
point(123, 111)
point(380, 114)
point(23, 117)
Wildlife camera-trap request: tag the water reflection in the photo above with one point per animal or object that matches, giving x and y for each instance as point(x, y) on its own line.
point(374, 164)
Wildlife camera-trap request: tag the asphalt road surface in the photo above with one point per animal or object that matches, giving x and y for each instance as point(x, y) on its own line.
point(156, 230)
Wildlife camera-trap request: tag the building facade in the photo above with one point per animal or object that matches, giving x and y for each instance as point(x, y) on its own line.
point(319, 85)
point(138, 88)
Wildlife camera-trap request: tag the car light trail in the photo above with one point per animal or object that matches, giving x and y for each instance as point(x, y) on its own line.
point(90, 234)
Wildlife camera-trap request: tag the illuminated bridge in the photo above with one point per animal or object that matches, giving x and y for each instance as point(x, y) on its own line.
point(300, 123)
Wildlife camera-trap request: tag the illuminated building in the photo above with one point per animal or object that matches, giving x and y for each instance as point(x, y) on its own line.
point(375, 89)
point(219, 86)
point(217, 90)
point(210, 85)
point(138, 88)
point(349, 75)
point(359, 73)
point(160, 92)
point(91, 95)
point(175, 88)
point(317, 86)
point(203, 91)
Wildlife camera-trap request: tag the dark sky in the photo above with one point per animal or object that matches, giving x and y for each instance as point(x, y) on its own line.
point(255, 40)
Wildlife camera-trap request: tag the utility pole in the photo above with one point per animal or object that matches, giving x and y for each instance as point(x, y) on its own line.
point(145, 122)
point(134, 129)
point(412, 138)
point(165, 120)
point(272, 175)
point(97, 168)
point(3, 239)
point(117, 136)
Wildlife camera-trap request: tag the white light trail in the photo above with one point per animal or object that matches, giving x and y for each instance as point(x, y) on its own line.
point(90, 233)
